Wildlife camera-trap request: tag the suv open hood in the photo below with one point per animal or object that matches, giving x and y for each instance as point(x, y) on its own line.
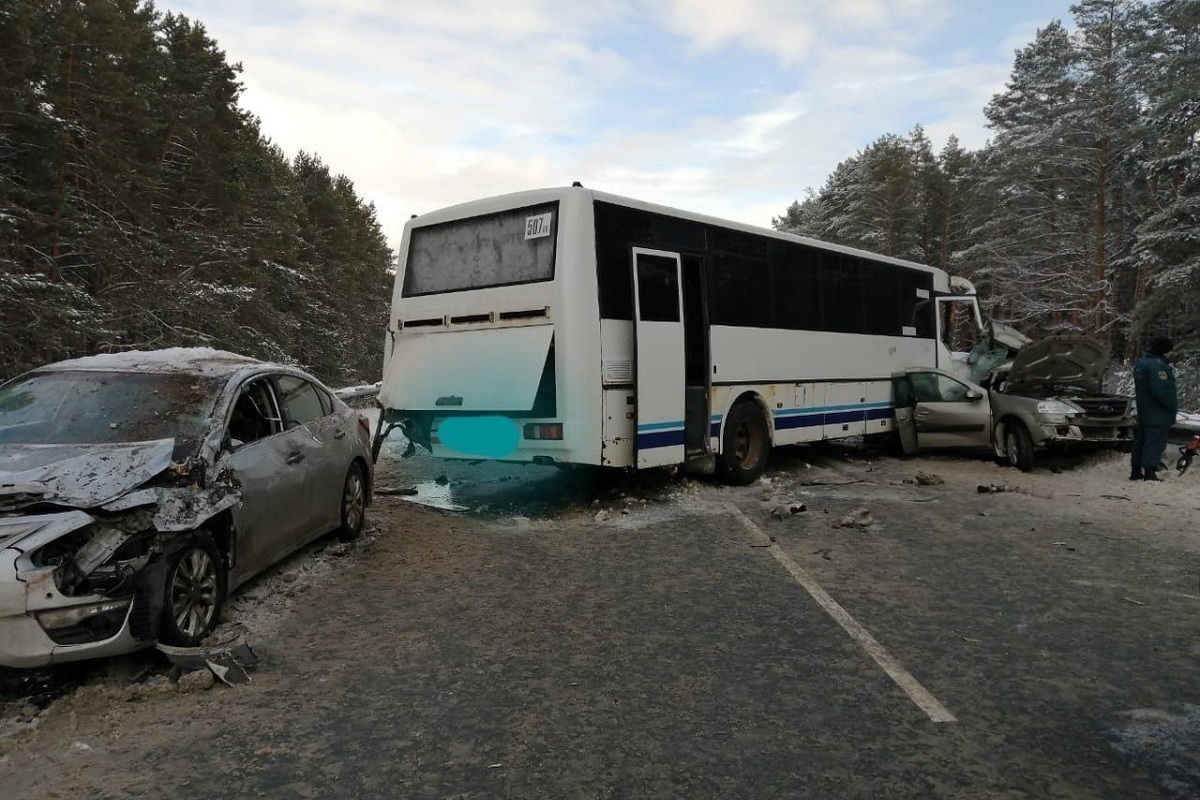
point(1060, 361)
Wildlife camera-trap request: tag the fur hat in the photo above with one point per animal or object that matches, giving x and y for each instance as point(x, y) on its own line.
point(1161, 345)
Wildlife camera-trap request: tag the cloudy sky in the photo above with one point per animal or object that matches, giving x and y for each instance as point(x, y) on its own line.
point(726, 107)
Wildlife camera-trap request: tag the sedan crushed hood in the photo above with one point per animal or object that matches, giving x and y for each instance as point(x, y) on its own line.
point(79, 476)
point(1061, 361)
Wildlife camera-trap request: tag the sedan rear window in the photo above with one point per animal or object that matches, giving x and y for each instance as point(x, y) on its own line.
point(106, 407)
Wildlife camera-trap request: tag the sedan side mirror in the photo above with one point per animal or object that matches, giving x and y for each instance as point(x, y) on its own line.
point(974, 394)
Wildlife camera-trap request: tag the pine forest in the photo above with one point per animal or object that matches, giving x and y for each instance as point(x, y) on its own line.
point(1082, 213)
point(141, 207)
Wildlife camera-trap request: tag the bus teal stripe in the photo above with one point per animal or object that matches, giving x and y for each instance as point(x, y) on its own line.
point(660, 426)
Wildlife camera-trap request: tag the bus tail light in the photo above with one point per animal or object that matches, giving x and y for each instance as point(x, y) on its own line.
point(543, 430)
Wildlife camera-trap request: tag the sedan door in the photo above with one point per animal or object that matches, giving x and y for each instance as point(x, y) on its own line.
point(267, 460)
point(936, 410)
point(328, 439)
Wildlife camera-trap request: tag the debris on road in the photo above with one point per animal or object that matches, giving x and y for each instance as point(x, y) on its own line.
point(1000, 488)
point(198, 680)
point(227, 662)
point(929, 479)
point(395, 491)
point(858, 518)
point(790, 510)
point(827, 482)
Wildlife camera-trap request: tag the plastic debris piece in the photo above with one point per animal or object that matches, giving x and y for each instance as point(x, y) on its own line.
point(229, 663)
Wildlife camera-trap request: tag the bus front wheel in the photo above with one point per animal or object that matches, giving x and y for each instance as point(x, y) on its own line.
point(745, 445)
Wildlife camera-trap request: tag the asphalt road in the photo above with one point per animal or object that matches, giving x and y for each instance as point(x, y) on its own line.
point(680, 639)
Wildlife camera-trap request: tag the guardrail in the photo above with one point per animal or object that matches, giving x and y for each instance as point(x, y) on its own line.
point(358, 396)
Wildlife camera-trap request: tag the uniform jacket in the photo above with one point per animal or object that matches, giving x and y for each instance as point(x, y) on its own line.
point(1154, 385)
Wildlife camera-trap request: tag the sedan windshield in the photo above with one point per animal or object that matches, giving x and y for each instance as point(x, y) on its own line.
point(106, 407)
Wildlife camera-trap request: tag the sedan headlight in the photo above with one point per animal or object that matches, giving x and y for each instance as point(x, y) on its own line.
point(68, 617)
point(1057, 408)
point(88, 624)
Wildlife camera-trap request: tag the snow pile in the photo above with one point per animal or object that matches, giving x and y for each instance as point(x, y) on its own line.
point(199, 360)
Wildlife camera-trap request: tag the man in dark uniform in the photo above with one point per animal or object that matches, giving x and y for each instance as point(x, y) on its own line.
point(1157, 405)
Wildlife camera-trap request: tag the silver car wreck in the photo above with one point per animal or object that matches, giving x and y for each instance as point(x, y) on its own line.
point(1049, 396)
point(137, 489)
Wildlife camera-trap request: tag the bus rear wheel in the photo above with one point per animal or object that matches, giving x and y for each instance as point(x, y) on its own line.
point(745, 445)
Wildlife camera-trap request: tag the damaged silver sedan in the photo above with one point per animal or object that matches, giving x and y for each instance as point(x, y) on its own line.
point(137, 489)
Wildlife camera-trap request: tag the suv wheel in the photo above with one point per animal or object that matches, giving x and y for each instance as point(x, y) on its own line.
point(1018, 446)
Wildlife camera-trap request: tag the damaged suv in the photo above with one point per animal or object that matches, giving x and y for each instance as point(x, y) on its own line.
point(1049, 396)
point(137, 489)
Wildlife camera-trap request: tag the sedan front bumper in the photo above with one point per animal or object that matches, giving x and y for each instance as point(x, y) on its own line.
point(25, 643)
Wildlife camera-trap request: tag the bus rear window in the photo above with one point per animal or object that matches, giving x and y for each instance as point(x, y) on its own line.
point(502, 249)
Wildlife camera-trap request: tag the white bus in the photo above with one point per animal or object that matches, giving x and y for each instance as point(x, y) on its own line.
point(569, 326)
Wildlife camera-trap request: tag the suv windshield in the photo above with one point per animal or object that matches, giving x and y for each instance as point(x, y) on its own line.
point(106, 407)
point(481, 252)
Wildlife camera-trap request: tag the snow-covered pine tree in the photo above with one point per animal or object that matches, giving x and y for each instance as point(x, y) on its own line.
point(1167, 247)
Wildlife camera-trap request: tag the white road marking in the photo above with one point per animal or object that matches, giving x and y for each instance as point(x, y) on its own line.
point(895, 670)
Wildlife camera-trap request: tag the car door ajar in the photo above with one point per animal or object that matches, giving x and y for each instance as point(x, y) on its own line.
point(945, 412)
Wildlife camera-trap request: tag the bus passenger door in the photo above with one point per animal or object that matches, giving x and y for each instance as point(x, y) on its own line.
point(659, 361)
point(959, 329)
point(697, 372)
